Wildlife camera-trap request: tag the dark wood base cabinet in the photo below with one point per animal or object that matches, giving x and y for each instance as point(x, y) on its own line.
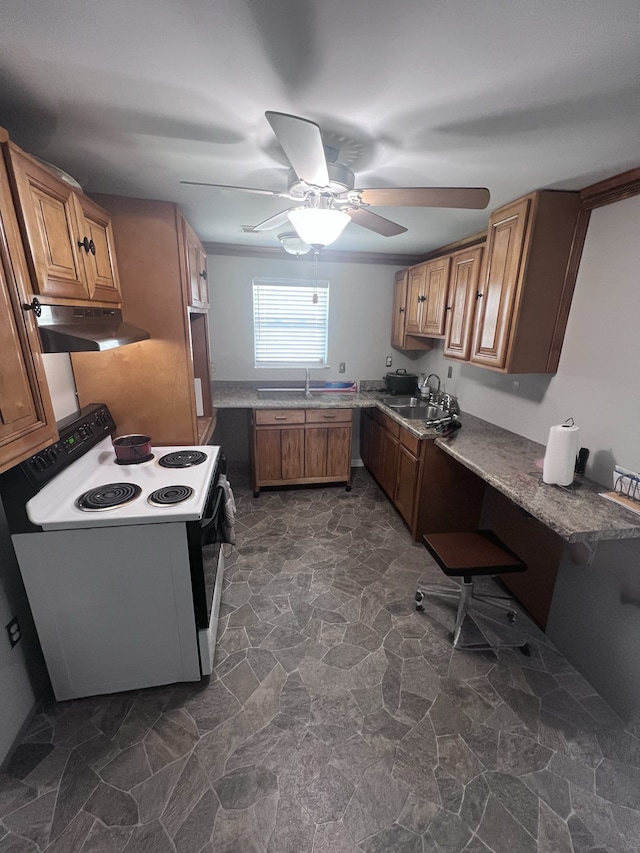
point(301, 446)
point(432, 492)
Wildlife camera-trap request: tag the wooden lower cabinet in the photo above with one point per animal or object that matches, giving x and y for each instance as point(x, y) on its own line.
point(394, 456)
point(431, 491)
point(301, 446)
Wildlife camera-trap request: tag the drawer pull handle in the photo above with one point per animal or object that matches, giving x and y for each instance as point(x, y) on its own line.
point(329, 417)
point(280, 417)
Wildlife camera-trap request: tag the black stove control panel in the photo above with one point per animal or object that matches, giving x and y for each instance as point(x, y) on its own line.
point(78, 434)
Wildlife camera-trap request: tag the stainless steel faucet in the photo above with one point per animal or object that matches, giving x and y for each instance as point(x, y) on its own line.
point(426, 386)
point(307, 380)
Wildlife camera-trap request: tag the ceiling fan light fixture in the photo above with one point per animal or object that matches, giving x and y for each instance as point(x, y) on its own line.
point(293, 244)
point(318, 226)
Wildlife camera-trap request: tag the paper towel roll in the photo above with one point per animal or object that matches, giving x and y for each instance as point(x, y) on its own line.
point(560, 456)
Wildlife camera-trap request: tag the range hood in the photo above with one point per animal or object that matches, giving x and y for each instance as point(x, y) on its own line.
point(75, 328)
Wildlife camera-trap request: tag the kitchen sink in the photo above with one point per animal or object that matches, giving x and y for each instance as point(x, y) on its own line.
point(398, 402)
point(415, 408)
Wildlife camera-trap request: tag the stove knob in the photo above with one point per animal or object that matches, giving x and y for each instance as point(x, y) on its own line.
point(50, 456)
point(38, 463)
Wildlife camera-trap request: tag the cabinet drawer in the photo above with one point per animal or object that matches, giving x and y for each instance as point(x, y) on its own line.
point(278, 416)
point(320, 416)
point(411, 442)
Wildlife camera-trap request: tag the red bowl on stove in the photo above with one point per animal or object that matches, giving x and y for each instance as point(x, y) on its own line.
point(130, 448)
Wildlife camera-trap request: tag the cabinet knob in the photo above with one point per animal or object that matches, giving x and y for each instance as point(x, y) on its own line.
point(402, 310)
point(34, 306)
point(478, 295)
point(421, 298)
point(203, 274)
point(88, 245)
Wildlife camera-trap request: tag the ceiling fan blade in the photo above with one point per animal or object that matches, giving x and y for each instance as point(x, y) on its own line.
point(301, 142)
point(276, 221)
point(376, 223)
point(470, 197)
point(271, 193)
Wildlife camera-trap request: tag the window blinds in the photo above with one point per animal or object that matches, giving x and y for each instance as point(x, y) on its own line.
point(290, 320)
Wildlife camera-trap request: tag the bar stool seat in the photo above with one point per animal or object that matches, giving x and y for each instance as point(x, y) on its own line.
point(465, 554)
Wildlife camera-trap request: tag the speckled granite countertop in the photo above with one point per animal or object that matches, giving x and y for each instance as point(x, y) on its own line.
point(507, 462)
point(503, 459)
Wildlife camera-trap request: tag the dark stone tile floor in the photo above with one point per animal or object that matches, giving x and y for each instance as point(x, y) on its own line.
point(339, 720)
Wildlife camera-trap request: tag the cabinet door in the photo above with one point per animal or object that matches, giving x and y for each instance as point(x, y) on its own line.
point(339, 452)
point(196, 269)
point(461, 302)
point(26, 417)
point(415, 299)
point(49, 220)
point(399, 309)
point(407, 484)
point(97, 253)
point(388, 468)
point(435, 305)
point(497, 290)
point(279, 454)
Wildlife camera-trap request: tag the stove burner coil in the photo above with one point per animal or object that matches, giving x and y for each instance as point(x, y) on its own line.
point(182, 459)
point(110, 496)
point(169, 495)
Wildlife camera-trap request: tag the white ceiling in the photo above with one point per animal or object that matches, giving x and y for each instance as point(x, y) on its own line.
point(133, 96)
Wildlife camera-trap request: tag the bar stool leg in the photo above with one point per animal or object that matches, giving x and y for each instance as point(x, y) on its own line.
point(466, 594)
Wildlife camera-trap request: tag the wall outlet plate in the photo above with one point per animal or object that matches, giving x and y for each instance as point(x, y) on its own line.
point(341, 367)
point(14, 632)
point(388, 361)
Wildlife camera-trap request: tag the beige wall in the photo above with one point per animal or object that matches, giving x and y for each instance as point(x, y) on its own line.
point(360, 300)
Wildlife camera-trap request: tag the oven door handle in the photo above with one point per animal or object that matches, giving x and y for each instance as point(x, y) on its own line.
point(212, 520)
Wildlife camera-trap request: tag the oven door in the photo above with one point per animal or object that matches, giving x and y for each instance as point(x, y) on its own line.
point(206, 563)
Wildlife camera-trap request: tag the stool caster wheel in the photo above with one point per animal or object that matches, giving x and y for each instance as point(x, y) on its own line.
point(511, 616)
point(525, 650)
point(420, 608)
point(256, 494)
point(419, 600)
point(347, 488)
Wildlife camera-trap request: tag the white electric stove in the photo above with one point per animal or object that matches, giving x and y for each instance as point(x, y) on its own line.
point(122, 563)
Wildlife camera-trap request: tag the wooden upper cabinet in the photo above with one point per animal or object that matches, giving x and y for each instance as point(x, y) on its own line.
point(416, 296)
point(399, 337)
point(527, 283)
point(496, 295)
point(68, 237)
point(27, 423)
point(427, 298)
point(463, 288)
point(100, 269)
point(435, 305)
point(398, 331)
point(198, 295)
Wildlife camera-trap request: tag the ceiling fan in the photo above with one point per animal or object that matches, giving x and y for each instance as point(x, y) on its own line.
point(324, 195)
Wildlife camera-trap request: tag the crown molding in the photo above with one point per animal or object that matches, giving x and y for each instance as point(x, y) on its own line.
point(617, 188)
point(326, 255)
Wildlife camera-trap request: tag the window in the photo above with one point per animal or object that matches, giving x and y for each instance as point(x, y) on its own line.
point(290, 320)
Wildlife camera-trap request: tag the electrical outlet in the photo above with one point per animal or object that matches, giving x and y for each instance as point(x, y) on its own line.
point(388, 361)
point(341, 367)
point(14, 632)
point(515, 386)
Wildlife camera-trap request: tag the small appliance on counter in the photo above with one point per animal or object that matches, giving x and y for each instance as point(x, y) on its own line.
point(121, 559)
point(401, 382)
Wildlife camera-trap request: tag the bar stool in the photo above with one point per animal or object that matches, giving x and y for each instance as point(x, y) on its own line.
point(465, 555)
